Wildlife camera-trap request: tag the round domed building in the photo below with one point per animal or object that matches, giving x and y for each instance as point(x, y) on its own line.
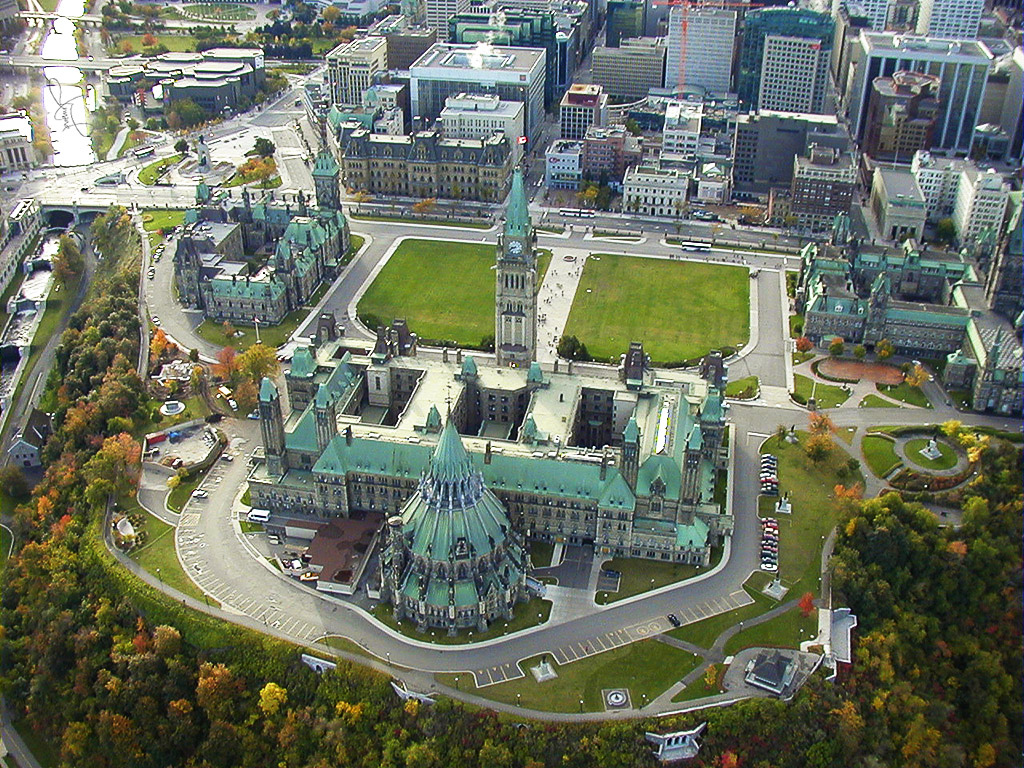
point(452, 559)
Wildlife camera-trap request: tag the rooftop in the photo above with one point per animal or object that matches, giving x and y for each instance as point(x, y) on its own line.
point(900, 187)
point(891, 43)
point(479, 56)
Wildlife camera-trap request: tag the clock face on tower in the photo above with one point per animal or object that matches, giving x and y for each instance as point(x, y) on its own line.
point(515, 247)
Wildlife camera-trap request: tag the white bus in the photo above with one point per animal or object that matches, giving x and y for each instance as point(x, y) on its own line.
point(144, 152)
point(258, 515)
point(694, 246)
point(581, 213)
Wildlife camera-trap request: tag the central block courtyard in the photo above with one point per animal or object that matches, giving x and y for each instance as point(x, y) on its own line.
point(443, 289)
point(679, 309)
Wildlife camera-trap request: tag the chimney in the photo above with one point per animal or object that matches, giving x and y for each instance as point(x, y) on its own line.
point(487, 453)
point(348, 435)
point(604, 466)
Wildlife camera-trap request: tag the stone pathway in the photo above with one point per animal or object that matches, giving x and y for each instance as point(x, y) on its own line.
point(554, 299)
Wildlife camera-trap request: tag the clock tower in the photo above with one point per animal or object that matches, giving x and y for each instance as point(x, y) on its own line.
point(515, 295)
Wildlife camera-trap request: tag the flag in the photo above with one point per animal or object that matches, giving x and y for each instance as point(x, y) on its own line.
point(521, 139)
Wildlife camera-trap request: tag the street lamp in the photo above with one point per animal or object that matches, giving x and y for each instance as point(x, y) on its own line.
point(519, 699)
point(457, 678)
point(159, 576)
point(581, 706)
point(388, 654)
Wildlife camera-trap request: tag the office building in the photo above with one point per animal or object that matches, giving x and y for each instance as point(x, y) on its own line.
point(766, 142)
point(980, 203)
point(406, 42)
point(353, 67)
point(583, 105)
point(608, 152)
point(438, 12)
point(624, 19)
point(784, 59)
point(902, 113)
point(700, 47)
point(563, 165)
point(1004, 287)
point(512, 74)
point(426, 165)
point(823, 185)
point(1001, 112)
point(938, 178)
point(950, 19)
point(631, 70)
point(681, 134)
point(962, 68)
point(897, 204)
point(850, 19)
point(651, 190)
point(478, 116)
point(16, 151)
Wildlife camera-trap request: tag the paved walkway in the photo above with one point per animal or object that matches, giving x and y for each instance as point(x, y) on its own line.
point(554, 299)
point(119, 140)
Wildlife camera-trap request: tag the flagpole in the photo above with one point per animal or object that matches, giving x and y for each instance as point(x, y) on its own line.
point(256, 320)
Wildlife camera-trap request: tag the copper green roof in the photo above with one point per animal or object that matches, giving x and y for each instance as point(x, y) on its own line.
point(535, 375)
point(450, 462)
point(468, 366)
point(303, 364)
point(268, 391)
point(632, 432)
point(694, 536)
point(325, 165)
point(433, 418)
point(517, 214)
point(659, 466)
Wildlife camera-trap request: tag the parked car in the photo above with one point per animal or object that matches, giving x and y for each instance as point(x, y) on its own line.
point(674, 620)
point(199, 493)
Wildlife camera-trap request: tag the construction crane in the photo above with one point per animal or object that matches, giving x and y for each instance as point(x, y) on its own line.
point(685, 7)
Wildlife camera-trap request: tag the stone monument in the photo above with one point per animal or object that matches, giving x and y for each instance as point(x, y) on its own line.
point(931, 451)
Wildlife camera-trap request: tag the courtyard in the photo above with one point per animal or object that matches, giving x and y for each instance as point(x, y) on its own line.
point(679, 309)
point(443, 289)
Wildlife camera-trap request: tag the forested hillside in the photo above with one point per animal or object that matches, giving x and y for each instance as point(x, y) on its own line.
point(114, 674)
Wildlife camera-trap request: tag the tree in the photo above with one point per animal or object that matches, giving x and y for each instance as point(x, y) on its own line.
point(821, 424)
point(227, 363)
point(68, 262)
point(818, 447)
point(126, 47)
point(228, 329)
point(803, 344)
point(836, 347)
point(945, 231)
point(181, 146)
point(246, 395)
point(113, 469)
point(884, 349)
point(711, 676)
point(258, 361)
point(860, 351)
point(157, 346)
point(917, 376)
point(571, 348)
point(265, 147)
point(13, 481)
point(148, 40)
point(331, 14)
point(588, 195)
point(193, 355)
point(273, 696)
point(426, 205)
point(633, 127)
point(807, 604)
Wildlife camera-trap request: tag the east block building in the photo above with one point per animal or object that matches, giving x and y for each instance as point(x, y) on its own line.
point(257, 261)
point(627, 459)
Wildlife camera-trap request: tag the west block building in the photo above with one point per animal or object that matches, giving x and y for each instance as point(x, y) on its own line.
point(259, 261)
point(626, 459)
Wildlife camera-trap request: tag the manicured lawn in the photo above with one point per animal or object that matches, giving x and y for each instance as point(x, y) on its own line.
point(827, 395)
point(158, 557)
point(529, 614)
point(648, 667)
point(245, 336)
point(699, 688)
point(162, 218)
point(679, 309)
point(643, 575)
point(781, 632)
point(247, 527)
point(444, 290)
point(706, 631)
point(176, 43)
point(846, 434)
point(344, 644)
point(355, 242)
point(540, 553)
point(962, 398)
point(742, 389)
point(796, 326)
point(801, 357)
point(151, 173)
point(880, 454)
point(220, 12)
point(946, 461)
point(906, 393)
point(874, 401)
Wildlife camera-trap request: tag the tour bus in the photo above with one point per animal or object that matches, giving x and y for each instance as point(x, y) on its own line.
point(144, 152)
point(693, 246)
point(581, 213)
point(258, 515)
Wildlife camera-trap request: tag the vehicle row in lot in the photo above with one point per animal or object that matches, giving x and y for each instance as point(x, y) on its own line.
point(769, 475)
point(769, 544)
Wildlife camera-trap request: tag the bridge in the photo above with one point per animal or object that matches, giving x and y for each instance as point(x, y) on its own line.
point(97, 64)
point(42, 18)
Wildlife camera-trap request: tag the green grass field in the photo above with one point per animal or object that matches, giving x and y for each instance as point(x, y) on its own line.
point(530, 614)
point(176, 43)
point(643, 575)
point(743, 389)
point(880, 454)
point(434, 222)
point(151, 173)
point(219, 12)
point(162, 218)
point(180, 494)
point(245, 336)
point(947, 460)
point(699, 688)
point(826, 395)
point(158, 557)
point(906, 393)
point(540, 553)
point(645, 668)
point(444, 290)
point(679, 309)
point(781, 632)
point(874, 401)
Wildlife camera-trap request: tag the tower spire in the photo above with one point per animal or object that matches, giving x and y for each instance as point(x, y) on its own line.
point(517, 214)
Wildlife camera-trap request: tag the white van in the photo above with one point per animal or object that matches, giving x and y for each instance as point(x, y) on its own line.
point(258, 515)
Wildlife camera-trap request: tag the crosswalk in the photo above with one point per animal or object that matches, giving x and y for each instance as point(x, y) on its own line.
point(595, 644)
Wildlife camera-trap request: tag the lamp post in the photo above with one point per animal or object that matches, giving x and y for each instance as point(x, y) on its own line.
point(159, 576)
point(388, 654)
point(581, 706)
point(519, 699)
point(457, 678)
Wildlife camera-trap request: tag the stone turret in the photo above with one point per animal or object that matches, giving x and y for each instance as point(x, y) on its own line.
point(272, 428)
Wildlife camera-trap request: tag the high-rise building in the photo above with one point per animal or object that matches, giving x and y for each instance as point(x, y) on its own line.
point(624, 19)
point(477, 116)
point(512, 74)
point(439, 11)
point(607, 152)
point(583, 105)
point(1004, 287)
point(823, 184)
point(850, 19)
point(950, 19)
point(980, 203)
point(515, 296)
point(784, 59)
point(631, 70)
point(902, 113)
point(353, 67)
point(938, 179)
point(1001, 111)
point(406, 42)
point(962, 68)
point(700, 46)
